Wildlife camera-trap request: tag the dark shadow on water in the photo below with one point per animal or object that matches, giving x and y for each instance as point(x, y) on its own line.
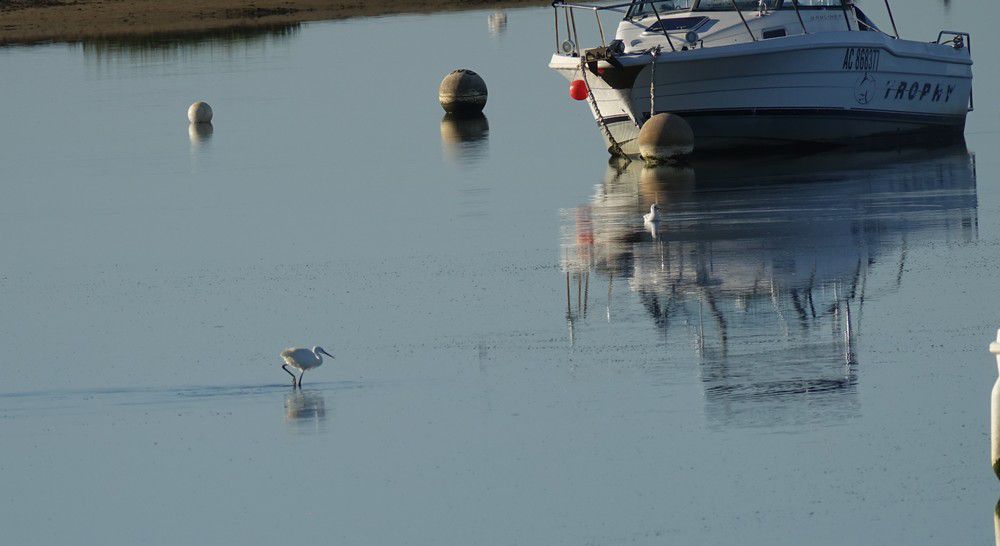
point(170, 46)
point(765, 265)
point(901, 142)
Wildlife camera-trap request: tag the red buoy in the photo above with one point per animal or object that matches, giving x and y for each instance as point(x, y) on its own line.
point(578, 90)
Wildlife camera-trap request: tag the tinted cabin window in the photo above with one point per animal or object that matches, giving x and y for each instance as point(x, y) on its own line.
point(816, 4)
point(774, 33)
point(813, 4)
point(676, 24)
point(663, 6)
point(727, 5)
point(751, 5)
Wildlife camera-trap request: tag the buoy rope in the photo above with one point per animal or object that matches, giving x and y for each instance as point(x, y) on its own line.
point(615, 148)
point(655, 52)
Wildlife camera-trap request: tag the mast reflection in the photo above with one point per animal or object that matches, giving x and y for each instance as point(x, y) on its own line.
point(764, 267)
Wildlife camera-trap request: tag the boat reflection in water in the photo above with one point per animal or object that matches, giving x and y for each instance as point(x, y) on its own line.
point(305, 410)
point(764, 266)
point(465, 139)
point(498, 23)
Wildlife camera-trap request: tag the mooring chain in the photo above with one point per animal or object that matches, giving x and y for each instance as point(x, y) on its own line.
point(616, 149)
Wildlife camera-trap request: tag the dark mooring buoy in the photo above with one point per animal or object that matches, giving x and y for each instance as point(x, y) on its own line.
point(665, 137)
point(462, 92)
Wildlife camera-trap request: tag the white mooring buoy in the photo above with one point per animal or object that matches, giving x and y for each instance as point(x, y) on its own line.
point(462, 92)
point(665, 137)
point(995, 412)
point(200, 112)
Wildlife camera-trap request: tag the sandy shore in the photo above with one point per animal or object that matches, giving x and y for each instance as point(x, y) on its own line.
point(33, 21)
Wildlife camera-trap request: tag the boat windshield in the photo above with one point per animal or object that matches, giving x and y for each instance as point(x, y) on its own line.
point(641, 9)
point(748, 5)
point(814, 4)
point(727, 5)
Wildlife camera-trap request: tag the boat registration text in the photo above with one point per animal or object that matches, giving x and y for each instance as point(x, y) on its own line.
point(861, 59)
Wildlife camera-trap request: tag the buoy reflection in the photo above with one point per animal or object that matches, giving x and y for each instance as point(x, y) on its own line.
point(200, 133)
point(996, 522)
point(465, 139)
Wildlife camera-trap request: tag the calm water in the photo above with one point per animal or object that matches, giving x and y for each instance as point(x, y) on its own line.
point(797, 356)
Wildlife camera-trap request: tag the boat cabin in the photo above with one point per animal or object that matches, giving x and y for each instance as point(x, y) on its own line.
point(690, 24)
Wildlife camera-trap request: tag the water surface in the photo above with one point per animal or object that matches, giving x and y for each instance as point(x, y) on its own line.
point(798, 354)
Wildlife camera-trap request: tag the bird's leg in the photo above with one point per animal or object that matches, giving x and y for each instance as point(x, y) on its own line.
point(285, 367)
point(300, 378)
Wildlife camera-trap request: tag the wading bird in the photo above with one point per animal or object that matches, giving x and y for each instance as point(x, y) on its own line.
point(302, 360)
point(654, 214)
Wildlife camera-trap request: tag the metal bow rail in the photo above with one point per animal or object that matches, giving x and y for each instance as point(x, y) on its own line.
point(571, 46)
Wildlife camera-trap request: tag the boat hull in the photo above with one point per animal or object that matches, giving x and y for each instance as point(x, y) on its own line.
point(818, 89)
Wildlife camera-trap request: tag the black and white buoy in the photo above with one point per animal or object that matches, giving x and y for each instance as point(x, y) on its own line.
point(665, 137)
point(462, 92)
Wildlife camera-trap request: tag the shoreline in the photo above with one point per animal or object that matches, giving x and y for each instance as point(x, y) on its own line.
point(26, 22)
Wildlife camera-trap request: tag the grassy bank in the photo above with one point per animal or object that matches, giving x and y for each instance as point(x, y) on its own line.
point(35, 21)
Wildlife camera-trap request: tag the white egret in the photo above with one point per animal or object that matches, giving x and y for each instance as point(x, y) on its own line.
point(302, 360)
point(654, 214)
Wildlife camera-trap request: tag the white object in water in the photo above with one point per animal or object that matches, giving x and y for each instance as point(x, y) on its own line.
point(653, 215)
point(302, 360)
point(995, 412)
point(200, 112)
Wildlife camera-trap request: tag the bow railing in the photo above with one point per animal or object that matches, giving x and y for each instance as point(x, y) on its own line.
point(571, 45)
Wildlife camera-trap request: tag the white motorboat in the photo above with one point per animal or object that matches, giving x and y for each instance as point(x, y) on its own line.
point(762, 73)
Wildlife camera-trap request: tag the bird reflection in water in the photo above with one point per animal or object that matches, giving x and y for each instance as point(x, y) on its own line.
point(306, 410)
point(465, 139)
point(764, 266)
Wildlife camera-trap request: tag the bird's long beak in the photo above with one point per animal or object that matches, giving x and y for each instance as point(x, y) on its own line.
point(327, 354)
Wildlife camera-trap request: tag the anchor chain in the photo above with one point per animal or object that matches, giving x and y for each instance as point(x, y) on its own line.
point(615, 148)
